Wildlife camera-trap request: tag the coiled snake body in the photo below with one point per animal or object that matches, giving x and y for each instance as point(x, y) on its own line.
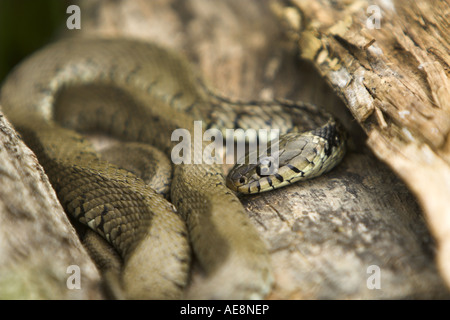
point(139, 92)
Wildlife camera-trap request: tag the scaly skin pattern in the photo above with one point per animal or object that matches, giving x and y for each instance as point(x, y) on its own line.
point(139, 92)
point(300, 157)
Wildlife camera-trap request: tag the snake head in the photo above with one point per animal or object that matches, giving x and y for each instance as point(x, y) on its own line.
point(253, 178)
point(299, 157)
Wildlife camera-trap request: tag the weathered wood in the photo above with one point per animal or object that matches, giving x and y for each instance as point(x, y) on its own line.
point(394, 79)
point(37, 241)
point(325, 233)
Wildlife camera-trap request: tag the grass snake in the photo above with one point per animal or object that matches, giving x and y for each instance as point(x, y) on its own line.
point(140, 93)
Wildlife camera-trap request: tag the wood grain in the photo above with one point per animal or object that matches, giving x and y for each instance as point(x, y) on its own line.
point(395, 81)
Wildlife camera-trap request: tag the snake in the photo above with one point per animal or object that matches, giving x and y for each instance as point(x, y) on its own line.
point(140, 92)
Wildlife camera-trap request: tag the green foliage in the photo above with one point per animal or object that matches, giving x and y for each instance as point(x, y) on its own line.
point(26, 25)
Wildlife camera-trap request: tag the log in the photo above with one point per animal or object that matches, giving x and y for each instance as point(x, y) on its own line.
point(329, 237)
point(389, 62)
point(40, 252)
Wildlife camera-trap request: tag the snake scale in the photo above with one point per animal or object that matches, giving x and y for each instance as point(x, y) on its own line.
point(139, 92)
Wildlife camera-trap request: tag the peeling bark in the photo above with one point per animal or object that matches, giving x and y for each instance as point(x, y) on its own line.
point(395, 82)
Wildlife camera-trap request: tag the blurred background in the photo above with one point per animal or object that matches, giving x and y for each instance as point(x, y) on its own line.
point(26, 25)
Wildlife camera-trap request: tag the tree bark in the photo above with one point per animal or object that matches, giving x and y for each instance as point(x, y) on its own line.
point(324, 235)
point(389, 62)
point(40, 253)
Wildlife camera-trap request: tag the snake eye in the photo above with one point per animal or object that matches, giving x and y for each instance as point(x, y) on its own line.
point(242, 180)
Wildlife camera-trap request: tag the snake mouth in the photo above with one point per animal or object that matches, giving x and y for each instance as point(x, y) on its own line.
point(243, 184)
